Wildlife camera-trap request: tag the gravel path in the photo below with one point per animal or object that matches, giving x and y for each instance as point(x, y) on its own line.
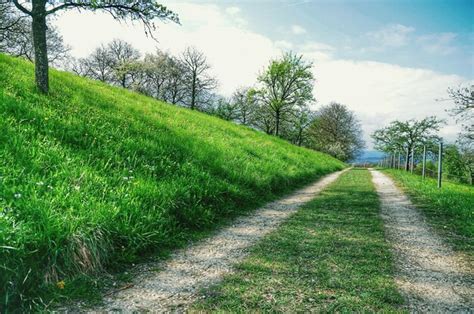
point(430, 275)
point(174, 284)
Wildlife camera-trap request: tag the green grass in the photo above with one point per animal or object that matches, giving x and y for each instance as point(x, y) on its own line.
point(330, 256)
point(450, 210)
point(92, 177)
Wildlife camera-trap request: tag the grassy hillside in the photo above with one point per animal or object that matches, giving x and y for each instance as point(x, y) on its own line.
point(449, 209)
point(92, 176)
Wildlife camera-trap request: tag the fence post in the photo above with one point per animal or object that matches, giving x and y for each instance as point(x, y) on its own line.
point(440, 163)
point(407, 160)
point(423, 174)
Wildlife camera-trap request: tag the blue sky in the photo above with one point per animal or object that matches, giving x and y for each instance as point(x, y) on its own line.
point(439, 35)
point(385, 60)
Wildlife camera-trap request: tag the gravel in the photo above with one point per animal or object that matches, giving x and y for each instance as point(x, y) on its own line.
point(430, 275)
point(174, 284)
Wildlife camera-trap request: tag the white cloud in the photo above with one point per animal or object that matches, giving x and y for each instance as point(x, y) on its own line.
point(395, 35)
point(298, 30)
point(377, 92)
point(442, 43)
point(232, 10)
point(381, 92)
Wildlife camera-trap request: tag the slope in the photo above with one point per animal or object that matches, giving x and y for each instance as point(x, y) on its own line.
point(92, 177)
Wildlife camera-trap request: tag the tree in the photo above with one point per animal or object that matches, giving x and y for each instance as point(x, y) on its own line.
point(144, 11)
point(9, 23)
point(463, 98)
point(19, 43)
point(301, 119)
point(199, 83)
point(246, 103)
point(264, 119)
point(405, 136)
point(225, 109)
point(163, 77)
point(156, 68)
point(336, 130)
point(286, 83)
point(123, 60)
point(459, 163)
point(97, 65)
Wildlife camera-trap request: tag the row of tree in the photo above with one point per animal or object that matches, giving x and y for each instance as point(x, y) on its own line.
point(279, 103)
point(410, 137)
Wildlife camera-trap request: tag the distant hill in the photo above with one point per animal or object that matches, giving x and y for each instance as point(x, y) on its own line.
point(369, 156)
point(93, 176)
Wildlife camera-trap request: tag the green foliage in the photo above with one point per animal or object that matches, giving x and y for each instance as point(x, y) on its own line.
point(336, 131)
point(94, 176)
point(286, 83)
point(403, 135)
point(449, 209)
point(331, 256)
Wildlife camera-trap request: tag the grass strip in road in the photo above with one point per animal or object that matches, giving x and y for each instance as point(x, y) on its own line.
point(450, 210)
point(330, 256)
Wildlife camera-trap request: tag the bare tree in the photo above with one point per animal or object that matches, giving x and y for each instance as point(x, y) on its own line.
point(19, 43)
point(39, 10)
point(175, 92)
point(97, 65)
point(463, 98)
point(199, 83)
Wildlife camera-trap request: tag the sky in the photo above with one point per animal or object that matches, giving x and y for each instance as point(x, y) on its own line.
point(385, 60)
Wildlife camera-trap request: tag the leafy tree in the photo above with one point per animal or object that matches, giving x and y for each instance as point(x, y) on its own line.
point(39, 10)
point(199, 83)
point(286, 83)
point(459, 163)
point(264, 118)
point(226, 109)
point(245, 100)
point(300, 121)
point(405, 136)
point(336, 130)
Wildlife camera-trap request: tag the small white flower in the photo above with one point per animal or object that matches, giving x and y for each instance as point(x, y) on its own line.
point(41, 183)
point(17, 195)
point(50, 187)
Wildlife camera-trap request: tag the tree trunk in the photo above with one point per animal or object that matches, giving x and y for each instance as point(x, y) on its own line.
point(193, 93)
point(277, 122)
point(300, 137)
point(38, 14)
